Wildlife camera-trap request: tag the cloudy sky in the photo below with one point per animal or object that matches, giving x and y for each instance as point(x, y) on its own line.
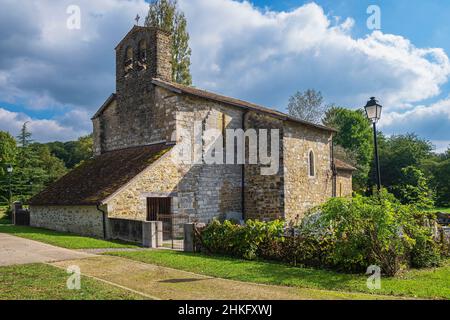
point(260, 50)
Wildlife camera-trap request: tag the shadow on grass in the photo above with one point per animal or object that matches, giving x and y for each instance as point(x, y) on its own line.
point(266, 272)
point(181, 280)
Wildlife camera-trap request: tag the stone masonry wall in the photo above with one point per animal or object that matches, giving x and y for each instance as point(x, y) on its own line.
point(83, 220)
point(136, 117)
point(344, 187)
point(264, 194)
point(302, 191)
point(159, 180)
point(214, 189)
point(201, 191)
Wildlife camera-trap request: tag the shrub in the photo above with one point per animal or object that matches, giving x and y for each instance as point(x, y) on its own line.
point(8, 213)
point(343, 234)
point(240, 241)
point(425, 253)
point(376, 230)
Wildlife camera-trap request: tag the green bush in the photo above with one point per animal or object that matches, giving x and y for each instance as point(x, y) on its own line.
point(425, 253)
point(376, 230)
point(343, 234)
point(8, 213)
point(240, 241)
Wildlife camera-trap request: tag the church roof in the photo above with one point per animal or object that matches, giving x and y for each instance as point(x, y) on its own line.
point(341, 165)
point(98, 178)
point(178, 88)
point(137, 29)
point(181, 89)
point(105, 105)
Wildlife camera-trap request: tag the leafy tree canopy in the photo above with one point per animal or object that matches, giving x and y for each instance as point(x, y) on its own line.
point(398, 152)
point(354, 135)
point(164, 14)
point(413, 188)
point(308, 106)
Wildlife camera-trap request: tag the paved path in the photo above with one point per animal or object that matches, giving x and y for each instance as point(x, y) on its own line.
point(151, 280)
point(166, 283)
point(15, 250)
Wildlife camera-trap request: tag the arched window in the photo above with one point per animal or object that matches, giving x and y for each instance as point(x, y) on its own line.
point(129, 55)
point(312, 167)
point(128, 65)
point(142, 50)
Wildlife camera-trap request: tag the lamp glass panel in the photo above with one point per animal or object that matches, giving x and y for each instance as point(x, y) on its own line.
point(371, 112)
point(379, 108)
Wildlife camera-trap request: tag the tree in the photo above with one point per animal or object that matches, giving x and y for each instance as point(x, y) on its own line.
point(413, 188)
point(355, 136)
point(24, 137)
point(398, 152)
point(438, 169)
point(164, 14)
point(72, 153)
point(52, 167)
point(308, 106)
point(8, 150)
point(35, 167)
point(8, 153)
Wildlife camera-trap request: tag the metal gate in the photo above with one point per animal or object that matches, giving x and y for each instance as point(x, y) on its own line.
point(173, 230)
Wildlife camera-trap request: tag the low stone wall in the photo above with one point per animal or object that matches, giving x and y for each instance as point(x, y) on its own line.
point(126, 230)
point(344, 184)
point(82, 220)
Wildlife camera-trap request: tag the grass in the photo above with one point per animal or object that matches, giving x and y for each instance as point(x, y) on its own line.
point(446, 210)
point(45, 282)
point(61, 239)
point(429, 283)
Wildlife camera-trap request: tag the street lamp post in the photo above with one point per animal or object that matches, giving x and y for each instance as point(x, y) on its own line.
point(373, 112)
point(9, 169)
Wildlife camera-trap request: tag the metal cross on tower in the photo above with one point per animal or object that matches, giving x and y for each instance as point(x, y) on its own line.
point(137, 19)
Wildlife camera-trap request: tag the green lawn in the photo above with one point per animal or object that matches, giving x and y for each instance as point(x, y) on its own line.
point(430, 283)
point(44, 282)
point(60, 239)
point(447, 210)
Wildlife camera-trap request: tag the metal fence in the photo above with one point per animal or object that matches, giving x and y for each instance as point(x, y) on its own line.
point(173, 230)
point(22, 217)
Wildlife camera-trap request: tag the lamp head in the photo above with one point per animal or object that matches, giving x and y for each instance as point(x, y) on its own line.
point(373, 110)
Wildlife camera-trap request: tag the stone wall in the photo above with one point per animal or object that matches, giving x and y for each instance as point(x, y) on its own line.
point(215, 188)
point(264, 194)
point(303, 191)
point(201, 191)
point(136, 117)
point(83, 220)
point(161, 179)
point(344, 184)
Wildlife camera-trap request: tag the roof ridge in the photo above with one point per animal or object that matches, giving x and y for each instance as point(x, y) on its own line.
point(179, 88)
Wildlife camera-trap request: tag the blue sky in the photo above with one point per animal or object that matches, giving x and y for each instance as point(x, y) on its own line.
point(425, 23)
point(261, 51)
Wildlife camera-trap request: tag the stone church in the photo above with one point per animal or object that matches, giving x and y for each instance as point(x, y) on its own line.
point(133, 175)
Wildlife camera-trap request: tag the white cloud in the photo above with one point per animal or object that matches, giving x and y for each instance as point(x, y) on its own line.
point(238, 49)
point(43, 129)
point(266, 56)
point(429, 121)
point(43, 64)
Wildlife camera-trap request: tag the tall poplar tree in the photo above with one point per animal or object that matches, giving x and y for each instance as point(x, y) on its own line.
point(164, 14)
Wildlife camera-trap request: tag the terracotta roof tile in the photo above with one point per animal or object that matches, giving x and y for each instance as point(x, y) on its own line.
point(178, 88)
point(341, 165)
point(98, 178)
